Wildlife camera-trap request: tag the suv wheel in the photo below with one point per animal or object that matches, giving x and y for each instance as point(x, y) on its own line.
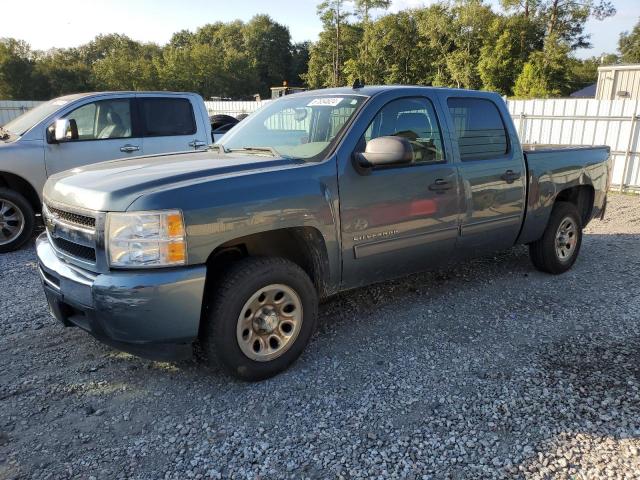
point(17, 220)
point(557, 250)
point(261, 315)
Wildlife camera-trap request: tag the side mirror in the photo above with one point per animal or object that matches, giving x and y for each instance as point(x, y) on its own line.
point(386, 151)
point(64, 130)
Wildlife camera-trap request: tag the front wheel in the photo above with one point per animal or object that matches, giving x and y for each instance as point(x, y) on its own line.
point(17, 220)
point(557, 250)
point(261, 315)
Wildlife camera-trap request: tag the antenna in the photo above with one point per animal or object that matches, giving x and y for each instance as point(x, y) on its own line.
point(357, 84)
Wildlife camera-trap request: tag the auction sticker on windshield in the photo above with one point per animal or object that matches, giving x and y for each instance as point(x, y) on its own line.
point(325, 102)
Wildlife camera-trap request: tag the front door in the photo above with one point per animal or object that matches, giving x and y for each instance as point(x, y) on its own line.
point(400, 219)
point(105, 132)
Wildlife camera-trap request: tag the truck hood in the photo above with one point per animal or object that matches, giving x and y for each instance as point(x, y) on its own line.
point(114, 185)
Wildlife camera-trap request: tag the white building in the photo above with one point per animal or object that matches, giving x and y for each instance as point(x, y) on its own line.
point(618, 82)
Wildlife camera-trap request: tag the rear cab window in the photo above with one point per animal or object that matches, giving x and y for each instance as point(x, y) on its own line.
point(479, 129)
point(167, 117)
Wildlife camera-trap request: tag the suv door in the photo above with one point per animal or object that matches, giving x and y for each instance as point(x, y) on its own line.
point(169, 124)
point(106, 130)
point(492, 173)
point(399, 219)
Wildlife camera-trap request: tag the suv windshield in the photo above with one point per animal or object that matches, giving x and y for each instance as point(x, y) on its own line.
point(20, 125)
point(297, 126)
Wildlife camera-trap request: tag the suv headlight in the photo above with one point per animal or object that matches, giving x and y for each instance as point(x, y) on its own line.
point(146, 239)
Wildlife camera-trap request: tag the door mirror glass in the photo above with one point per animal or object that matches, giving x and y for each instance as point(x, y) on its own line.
point(65, 129)
point(385, 151)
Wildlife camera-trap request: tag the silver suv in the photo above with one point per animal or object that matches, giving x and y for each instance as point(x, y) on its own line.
point(76, 130)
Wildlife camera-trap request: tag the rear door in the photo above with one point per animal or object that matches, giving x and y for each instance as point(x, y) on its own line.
point(399, 219)
point(170, 124)
point(492, 173)
point(106, 130)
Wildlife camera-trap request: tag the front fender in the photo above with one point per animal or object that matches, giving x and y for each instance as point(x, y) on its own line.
point(226, 208)
point(25, 159)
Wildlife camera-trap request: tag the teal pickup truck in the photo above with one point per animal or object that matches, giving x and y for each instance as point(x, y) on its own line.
point(230, 249)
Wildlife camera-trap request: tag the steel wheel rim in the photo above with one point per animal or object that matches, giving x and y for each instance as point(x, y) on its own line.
point(269, 322)
point(11, 221)
point(566, 239)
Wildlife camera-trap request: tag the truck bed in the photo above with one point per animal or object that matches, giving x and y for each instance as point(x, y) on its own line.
point(548, 147)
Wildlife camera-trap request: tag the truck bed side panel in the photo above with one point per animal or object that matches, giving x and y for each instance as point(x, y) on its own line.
point(552, 170)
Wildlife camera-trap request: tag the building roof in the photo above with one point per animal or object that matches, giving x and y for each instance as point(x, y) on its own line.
point(586, 92)
point(623, 66)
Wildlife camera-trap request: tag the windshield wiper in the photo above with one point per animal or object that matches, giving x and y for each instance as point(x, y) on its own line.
point(270, 150)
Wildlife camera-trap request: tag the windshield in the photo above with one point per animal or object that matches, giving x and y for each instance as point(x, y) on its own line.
point(295, 126)
point(20, 125)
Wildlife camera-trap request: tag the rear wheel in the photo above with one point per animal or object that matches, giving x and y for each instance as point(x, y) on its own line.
point(261, 315)
point(17, 220)
point(557, 250)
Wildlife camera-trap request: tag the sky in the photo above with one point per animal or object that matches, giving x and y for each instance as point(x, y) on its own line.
point(45, 24)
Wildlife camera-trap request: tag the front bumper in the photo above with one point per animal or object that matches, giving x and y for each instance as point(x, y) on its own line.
point(153, 314)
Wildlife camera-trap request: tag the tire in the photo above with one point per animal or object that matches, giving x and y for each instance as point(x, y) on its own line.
point(252, 337)
point(546, 253)
point(17, 220)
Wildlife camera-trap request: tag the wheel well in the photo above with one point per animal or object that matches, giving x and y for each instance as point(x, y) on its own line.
point(302, 245)
point(582, 197)
point(20, 185)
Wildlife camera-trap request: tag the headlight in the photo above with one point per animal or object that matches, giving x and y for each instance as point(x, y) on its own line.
point(146, 239)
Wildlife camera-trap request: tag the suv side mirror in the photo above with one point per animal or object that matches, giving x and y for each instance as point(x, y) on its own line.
point(386, 151)
point(64, 130)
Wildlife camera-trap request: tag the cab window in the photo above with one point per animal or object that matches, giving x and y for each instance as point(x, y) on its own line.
point(102, 120)
point(479, 128)
point(413, 119)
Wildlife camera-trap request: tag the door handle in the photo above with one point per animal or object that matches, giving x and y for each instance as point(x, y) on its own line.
point(510, 176)
point(440, 186)
point(129, 148)
point(197, 144)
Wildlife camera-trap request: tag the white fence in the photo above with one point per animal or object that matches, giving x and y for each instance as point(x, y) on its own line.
point(586, 122)
point(551, 121)
point(233, 108)
point(10, 109)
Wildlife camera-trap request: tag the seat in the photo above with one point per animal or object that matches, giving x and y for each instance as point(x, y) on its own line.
point(115, 127)
point(414, 126)
point(411, 125)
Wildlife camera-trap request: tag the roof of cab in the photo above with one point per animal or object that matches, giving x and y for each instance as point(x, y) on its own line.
point(75, 96)
point(372, 90)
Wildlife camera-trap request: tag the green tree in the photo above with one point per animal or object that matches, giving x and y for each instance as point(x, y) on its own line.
point(299, 62)
point(547, 73)
point(629, 45)
point(508, 46)
point(437, 36)
point(128, 66)
point(392, 53)
point(472, 19)
point(334, 15)
point(63, 71)
point(270, 49)
point(363, 10)
point(16, 69)
point(321, 71)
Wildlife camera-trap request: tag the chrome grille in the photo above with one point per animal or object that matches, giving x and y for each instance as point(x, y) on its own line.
point(73, 218)
point(75, 250)
point(72, 234)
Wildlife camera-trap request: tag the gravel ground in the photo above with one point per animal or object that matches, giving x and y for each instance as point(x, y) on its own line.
point(483, 370)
